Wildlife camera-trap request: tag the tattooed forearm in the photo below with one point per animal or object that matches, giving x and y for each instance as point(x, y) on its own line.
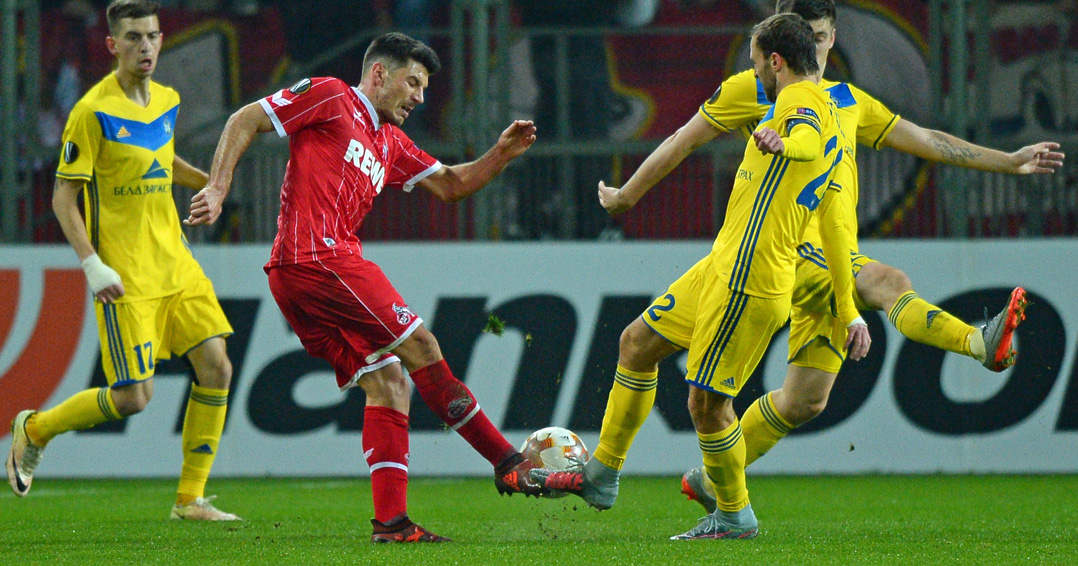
point(954, 151)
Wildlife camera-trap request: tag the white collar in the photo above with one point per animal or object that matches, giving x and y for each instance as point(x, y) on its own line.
point(370, 108)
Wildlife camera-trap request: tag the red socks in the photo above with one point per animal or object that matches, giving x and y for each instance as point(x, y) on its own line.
point(451, 400)
point(385, 447)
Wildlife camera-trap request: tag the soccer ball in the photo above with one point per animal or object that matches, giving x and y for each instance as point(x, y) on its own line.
point(555, 448)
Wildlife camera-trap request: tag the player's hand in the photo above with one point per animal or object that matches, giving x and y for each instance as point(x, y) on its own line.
point(517, 138)
point(613, 200)
point(768, 141)
point(205, 206)
point(857, 339)
point(1038, 158)
point(104, 282)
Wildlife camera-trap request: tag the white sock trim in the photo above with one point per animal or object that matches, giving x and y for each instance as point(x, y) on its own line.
point(380, 465)
point(467, 418)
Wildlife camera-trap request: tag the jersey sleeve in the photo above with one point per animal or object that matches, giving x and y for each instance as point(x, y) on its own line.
point(876, 120)
point(409, 164)
point(798, 107)
point(738, 101)
point(836, 249)
point(80, 142)
point(305, 103)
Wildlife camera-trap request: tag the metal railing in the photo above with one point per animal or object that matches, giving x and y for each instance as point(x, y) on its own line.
point(549, 193)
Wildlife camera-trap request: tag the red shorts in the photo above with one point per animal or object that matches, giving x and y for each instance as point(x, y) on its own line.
point(345, 311)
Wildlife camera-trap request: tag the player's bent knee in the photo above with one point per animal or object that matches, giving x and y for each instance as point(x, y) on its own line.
point(215, 376)
point(806, 410)
point(131, 399)
point(880, 285)
point(641, 347)
point(710, 412)
point(387, 389)
point(419, 350)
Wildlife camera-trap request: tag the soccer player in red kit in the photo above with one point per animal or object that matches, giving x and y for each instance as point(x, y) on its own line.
point(346, 146)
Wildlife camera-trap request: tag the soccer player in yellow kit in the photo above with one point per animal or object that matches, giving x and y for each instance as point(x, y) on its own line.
point(739, 105)
point(725, 309)
point(152, 298)
point(814, 359)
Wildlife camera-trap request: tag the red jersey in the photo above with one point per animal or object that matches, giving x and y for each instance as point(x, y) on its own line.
point(341, 157)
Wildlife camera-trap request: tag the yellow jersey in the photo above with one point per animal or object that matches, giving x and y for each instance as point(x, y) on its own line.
point(124, 154)
point(774, 196)
point(740, 104)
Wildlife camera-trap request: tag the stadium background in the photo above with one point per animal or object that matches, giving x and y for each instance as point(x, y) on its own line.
point(605, 87)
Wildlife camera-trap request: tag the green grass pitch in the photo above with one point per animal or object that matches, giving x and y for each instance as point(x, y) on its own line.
point(803, 520)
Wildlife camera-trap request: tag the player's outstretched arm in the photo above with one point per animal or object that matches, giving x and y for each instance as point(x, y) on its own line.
point(939, 146)
point(104, 282)
point(183, 173)
point(235, 139)
point(836, 249)
point(674, 149)
point(458, 182)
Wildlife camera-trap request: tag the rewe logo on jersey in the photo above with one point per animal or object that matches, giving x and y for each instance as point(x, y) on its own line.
point(363, 158)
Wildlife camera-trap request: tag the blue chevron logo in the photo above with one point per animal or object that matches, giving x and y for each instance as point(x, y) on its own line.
point(156, 171)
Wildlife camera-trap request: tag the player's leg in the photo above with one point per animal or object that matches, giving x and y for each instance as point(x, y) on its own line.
point(203, 424)
point(195, 326)
point(802, 397)
point(813, 365)
point(664, 328)
point(455, 404)
point(722, 445)
point(886, 288)
point(731, 335)
point(312, 300)
point(125, 329)
point(385, 447)
point(632, 394)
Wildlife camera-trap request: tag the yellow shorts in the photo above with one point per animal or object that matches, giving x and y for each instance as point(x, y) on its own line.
point(673, 314)
point(726, 333)
point(817, 338)
point(136, 334)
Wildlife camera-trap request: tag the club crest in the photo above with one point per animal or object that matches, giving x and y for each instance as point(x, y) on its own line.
point(404, 314)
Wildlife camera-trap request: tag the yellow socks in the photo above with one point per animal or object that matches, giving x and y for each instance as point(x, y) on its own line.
point(627, 407)
point(202, 426)
point(926, 323)
point(724, 462)
point(82, 410)
point(763, 427)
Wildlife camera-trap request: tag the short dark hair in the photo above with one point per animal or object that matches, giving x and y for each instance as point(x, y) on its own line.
point(121, 9)
point(398, 48)
point(790, 36)
point(808, 9)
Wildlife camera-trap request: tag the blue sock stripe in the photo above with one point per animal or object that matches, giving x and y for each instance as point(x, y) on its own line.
point(211, 400)
point(899, 307)
point(723, 444)
point(634, 383)
point(770, 414)
point(103, 404)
